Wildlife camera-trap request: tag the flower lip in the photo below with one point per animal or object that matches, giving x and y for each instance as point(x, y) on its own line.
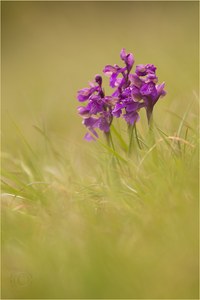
point(83, 111)
point(160, 89)
point(109, 70)
point(135, 80)
point(151, 77)
point(143, 70)
point(150, 68)
point(149, 89)
point(110, 100)
point(140, 70)
point(85, 93)
point(131, 117)
point(118, 109)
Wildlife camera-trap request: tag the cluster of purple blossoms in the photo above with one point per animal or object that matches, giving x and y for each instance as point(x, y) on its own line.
point(132, 92)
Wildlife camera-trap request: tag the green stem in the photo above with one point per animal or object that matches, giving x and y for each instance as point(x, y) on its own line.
point(137, 139)
point(107, 135)
point(149, 112)
point(111, 144)
point(109, 140)
point(131, 141)
point(151, 134)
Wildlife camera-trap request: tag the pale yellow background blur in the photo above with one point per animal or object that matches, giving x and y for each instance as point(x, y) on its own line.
point(52, 49)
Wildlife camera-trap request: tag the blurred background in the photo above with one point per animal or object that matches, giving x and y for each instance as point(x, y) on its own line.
point(73, 226)
point(52, 49)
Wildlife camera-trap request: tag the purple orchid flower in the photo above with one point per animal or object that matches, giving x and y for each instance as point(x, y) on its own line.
point(127, 58)
point(132, 92)
point(113, 72)
point(85, 93)
point(131, 117)
point(150, 94)
point(90, 123)
point(144, 87)
point(143, 70)
point(132, 112)
point(117, 111)
point(97, 112)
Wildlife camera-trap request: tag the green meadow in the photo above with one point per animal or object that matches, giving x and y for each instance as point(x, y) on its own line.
point(79, 219)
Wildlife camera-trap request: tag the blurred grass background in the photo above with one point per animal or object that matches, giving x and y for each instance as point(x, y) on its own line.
point(87, 235)
point(50, 50)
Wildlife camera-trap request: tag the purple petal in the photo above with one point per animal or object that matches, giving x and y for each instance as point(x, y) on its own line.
point(103, 124)
point(110, 100)
point(126, 93)
point(90, 122)
point(89, 137)
point(116, 93)
point(149, 89)
point(113, 79)
point(117, 111)
point(85, 93)
point(109, 70)
point(83, 111)
point(151, 78)
point(135, 80)
point(123, 54)
point(135, 93)
point(131, 117)
point(131, 107)
point(95, 107)
point(141, 70)
point(127, 58)
point(150, 68)
point(130, 61)
point(119, 82)
point(104, 121)
point(160, 90)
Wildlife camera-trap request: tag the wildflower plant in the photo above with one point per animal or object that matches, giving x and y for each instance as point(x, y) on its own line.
point(132, 92)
